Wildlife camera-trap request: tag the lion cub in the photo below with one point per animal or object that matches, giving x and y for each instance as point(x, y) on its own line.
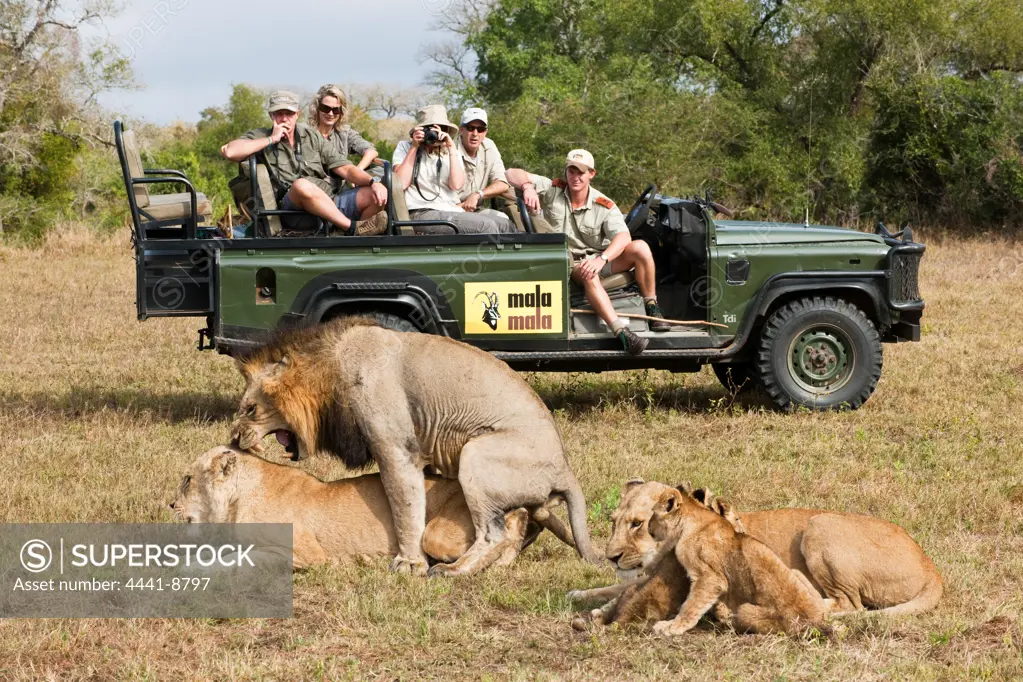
point(753, 590)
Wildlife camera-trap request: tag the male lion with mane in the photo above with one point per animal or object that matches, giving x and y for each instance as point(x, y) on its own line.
point(344, 519)
point(407, 400)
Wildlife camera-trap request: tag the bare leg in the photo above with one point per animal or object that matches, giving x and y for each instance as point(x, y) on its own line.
point(310, 198)
point(366, 203)
point(596, 296)
point(637, 256)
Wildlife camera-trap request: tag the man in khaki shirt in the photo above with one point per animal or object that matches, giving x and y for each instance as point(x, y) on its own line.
point(300, 161)
point(596, 235)
point(484, 167)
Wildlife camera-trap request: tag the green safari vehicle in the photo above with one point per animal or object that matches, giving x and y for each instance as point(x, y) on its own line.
point(801, 309)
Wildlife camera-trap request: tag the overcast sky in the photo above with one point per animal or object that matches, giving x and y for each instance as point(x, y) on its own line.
point(186, 54)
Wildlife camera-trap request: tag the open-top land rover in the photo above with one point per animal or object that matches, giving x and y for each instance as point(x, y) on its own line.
point(801, 309)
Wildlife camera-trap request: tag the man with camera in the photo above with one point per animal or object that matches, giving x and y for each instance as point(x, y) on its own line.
point(598, 238)
point(432, 174)
point(299, 159)
point(484, 167)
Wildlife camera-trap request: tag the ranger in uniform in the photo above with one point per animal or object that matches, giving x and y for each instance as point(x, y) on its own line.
point(597, 237)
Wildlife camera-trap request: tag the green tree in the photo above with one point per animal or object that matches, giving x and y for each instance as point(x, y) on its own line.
point(50, 75)
point(781, 105)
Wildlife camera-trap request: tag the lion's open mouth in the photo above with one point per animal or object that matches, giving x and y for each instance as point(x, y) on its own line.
point(289, 441)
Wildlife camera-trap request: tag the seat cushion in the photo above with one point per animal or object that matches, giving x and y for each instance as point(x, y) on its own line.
point(173, 206)
point(618, 280)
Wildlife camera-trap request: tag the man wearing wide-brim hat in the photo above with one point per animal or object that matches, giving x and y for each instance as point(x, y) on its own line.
point(432, 175)
point(598, 238)
point(299, 160)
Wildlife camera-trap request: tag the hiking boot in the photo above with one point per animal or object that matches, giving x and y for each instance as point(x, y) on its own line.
point(632, 343)
point(372, 226)
point(654, 310)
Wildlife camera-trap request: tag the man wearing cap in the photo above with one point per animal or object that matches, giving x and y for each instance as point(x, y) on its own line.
point(597, 237)
point(433, 175)
point(299, 159)
point(484, 168)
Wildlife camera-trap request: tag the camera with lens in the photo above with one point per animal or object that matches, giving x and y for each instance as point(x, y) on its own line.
point(430, 136)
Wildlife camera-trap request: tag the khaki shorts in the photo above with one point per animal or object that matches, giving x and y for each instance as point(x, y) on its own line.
point(604, 271)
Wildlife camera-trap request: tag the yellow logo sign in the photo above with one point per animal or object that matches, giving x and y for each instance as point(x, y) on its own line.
point(513, 307)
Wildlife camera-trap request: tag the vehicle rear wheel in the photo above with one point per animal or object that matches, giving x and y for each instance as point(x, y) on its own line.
point(395, 322)
point(737, 377)
point(820, 353)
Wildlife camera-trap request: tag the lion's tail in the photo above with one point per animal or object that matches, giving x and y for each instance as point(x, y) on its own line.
point(926, 600)
point(576, 503)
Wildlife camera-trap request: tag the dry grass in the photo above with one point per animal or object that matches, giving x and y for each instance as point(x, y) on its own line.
point(100, 415)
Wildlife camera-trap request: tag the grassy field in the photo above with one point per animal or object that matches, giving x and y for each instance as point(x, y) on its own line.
point(101, 414)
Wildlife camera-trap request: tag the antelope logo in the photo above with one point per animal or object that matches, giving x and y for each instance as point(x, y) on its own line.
point(490, 312)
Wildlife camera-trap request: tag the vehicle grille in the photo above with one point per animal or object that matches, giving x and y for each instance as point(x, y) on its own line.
point(904, 286)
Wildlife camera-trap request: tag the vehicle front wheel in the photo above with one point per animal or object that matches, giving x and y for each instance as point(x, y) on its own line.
point(820, 353)
point(737, 377)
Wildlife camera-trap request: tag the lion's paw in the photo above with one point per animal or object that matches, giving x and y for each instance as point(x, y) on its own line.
point(402, 564)
point(574, 595)
point(580, 624)
point(667, 628)
point(441, 571)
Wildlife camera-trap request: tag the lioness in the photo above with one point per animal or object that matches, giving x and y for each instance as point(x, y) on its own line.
point(406, 400)
point(340, 520)
point(746, 582)
point(856, 561)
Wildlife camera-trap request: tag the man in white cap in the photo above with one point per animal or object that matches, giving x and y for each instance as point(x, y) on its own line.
point(431, 171)
point(299, 160)
point(484, 168)
point(597, 237)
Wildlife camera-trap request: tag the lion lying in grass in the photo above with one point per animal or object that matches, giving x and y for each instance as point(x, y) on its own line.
point(855, 561)
point(345, 519)
point(697, 561)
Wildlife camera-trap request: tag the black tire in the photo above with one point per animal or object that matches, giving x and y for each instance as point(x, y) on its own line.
point(392, 321)
point(737, 377)
point(820, 353)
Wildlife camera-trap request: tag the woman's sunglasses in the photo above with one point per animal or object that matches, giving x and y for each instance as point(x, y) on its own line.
point(324, 109)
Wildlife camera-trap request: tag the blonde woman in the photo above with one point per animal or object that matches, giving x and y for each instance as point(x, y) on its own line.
point(329, 113)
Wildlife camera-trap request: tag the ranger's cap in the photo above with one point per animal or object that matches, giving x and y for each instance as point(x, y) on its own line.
point(281, 100)
point(581, 159)
point(474, 114)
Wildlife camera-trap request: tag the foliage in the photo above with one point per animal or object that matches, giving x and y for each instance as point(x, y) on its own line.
point(846, 108)
point(50, 75)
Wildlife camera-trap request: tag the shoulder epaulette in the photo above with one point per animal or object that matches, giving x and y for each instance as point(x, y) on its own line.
point(605, 202)
point(559, 182)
